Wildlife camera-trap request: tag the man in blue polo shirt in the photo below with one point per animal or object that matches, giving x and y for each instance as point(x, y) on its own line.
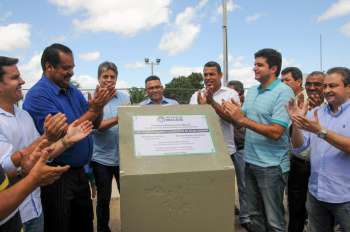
point(66, 203)
point(266, 142)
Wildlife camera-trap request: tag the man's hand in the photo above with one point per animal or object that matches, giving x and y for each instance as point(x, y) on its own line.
point(29, 160)
point(233, 110)
point(55, 126)
point(77, 132)
point(201, 97)
point(42, 174)
point(209, 95)
point(294, 108)
point(100, 98)
point(303, 123)
point(314, 100)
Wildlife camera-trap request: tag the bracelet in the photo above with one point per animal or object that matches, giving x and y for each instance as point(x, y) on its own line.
point(65, 143)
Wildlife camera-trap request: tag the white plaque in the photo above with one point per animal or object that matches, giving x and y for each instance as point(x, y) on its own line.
point(172, 135)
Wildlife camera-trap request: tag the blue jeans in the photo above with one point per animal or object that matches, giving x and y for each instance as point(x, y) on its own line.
point(35, 225)
point(322, 215)
point(239, 163)
point(265, 191)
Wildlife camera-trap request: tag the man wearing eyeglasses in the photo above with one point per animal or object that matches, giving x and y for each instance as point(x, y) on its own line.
point(155, 90)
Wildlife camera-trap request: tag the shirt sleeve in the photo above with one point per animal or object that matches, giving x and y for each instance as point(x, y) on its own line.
point(305, 145)
point(39, 106)
point(279, 114)
point(6, 151)
point(193, 100)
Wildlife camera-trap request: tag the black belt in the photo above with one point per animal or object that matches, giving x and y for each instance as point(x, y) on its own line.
point(300, 160)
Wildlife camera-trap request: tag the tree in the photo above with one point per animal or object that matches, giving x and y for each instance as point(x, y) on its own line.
point(137, 95)
point(181, 88)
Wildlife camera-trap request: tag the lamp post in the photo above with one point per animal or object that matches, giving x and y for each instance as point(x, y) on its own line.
point(224, 28)
point(152, 63)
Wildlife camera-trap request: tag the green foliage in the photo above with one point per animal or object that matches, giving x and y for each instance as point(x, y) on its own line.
point(137, 95)
point(181, 88)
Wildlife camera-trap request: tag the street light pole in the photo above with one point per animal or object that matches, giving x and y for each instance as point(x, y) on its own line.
point(152, 63)
point(224, 27)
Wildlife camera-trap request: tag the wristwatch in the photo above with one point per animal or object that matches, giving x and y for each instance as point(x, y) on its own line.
point(323, 133)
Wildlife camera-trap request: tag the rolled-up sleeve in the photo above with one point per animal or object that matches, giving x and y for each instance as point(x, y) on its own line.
point(6, 151)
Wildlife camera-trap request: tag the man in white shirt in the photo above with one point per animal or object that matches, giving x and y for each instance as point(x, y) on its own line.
point(213, 94)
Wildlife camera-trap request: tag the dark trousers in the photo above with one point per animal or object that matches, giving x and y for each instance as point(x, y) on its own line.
point(67, 204)
point(103, 176)
point(297, 193)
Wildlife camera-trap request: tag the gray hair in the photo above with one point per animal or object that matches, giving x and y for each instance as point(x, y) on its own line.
point(106, 66)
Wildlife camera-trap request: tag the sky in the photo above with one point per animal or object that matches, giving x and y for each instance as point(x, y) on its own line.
point(183, 34)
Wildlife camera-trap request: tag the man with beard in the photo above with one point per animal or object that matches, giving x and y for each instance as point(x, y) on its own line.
point(155, 90)
point(325, 131)
point(66, 203)
point(266, 142)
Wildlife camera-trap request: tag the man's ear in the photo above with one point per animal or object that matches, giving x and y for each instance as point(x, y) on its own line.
point(48, 67)
point(274, 69)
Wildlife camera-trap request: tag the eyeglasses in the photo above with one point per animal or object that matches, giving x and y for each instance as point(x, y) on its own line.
point(314, 84)
point(158, 87)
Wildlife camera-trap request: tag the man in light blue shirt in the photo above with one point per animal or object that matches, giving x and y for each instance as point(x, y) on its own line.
point(326, 132)
point(105, 157)
point(155, 90)
point(266, 142)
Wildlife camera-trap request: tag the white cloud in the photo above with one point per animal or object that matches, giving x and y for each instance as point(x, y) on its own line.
point(86, 81)
point(89, 82)
point(14, 36)
point(184, 31)
point(31, 71)
point(337, 9)
point(231, 6)
point(289, 62)
point(177, 71)
point(136, 65)
point(254, 17)
point(126, 17)
point(244, 74)
point(345, 29)
point(90, 56)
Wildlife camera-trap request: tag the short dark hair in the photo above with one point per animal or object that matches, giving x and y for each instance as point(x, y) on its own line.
point(51, 54)
point(107, 65)
point(273, 58)
point(317, 73)
point(6, 61)
point(211, 64)
point(152, 78)
point(238, 86)
point(343, 71)
point(295, 72)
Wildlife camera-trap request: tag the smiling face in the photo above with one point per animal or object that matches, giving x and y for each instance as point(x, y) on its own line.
point(11, 84)
point(62, 73)
point(314, 86)
point(335, 91)
point(263, 72)
point(295, 85)
point(212, 78)
point(107, 78)
point(154, 90)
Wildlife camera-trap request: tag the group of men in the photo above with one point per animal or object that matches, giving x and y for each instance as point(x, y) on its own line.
point(274, 131)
